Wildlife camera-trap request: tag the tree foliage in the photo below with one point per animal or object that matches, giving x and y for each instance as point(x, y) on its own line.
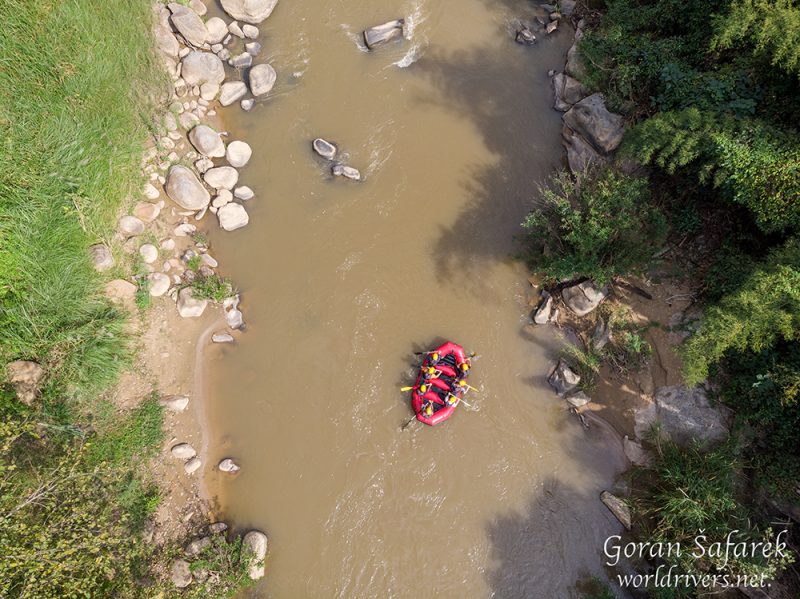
point(599, 226)
point(772, 27)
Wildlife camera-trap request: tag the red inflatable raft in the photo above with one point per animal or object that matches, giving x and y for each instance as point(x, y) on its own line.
point(435, 397)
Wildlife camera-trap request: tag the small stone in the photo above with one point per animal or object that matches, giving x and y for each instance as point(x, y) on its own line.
point(241, 61)
point(262, 78)
point(563, 379)
point(209, 91)
point(551, 26)
point(197, 546)
point(217, 527)
point(170, 124)
point(101, 257)
point(181, 574)
point(525, 37)
point(184, 230)
point(325, 148)
point(252, 48)
point(192, 465)
point(217, 30)
point(203, 164)
point(147, 212)
point(578, 399)
point(231, 92)
point(232, 216)
point(183, 451)
point(167, 244)
point(238, 153)
point(222, 338)
point(382, 34)
point(250, 31)
point(158, 284)
point(188, 120)
point(229, 466)
point(234, 318)
point(174, 403)
point(247, 105)
point(130, 226)
point(545, 309)
point(243, 193)
point(209, 260)
point(150, 192)
point(149, 253)
point(188, 305)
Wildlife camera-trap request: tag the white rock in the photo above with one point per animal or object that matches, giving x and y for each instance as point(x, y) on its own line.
point(188, 120)
point(149, 253)
point(185, 189)
point(221, 177)
point(252, 48)
point(209, 91)
point(203, 164)
point(130, 226)
point(207, 141)
point(234, 318)
point(262, 79)
point(174, 403)
point(167, 244)
point(209, 260)
point(188, 24)
point(243, 193)
point(249, 11)
point(181, 574)
point(200, 67)
point(238, 153)
point(101, 257)
point(247, 105)
point(229, 466)
point(188, 305)
point(183, 451)
point(232, 216)
point(231, 92)
point(324, 148)
point(192, 465)
point(235, 29)
point(250, 31)
point(198, 7)
point(241, 61)
point(184, 230)
point(341, 170)
point(217, 30)
point(222, 338)
point(159, 284)
point(150, 192)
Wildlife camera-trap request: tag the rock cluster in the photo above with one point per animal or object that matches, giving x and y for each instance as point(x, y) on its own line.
point(329, 150)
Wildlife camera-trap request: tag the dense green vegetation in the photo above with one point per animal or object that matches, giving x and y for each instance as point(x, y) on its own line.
point(77, 81)
point(711, 93)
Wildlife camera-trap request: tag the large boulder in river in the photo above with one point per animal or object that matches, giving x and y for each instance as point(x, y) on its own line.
point(262, 79)
point(684, 415)
point(199, 67)
point(189, 24)
point(238, 153)
point(567, 91)
point(249, 11)
point(207, 141)
point(184, 188)
point(254, 547)
point(591, 118)
point(382, 34)
point(584, 297)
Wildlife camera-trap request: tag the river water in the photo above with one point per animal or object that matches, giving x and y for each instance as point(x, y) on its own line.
point(343, 281)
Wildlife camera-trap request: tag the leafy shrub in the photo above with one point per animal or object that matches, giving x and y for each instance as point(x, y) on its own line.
point(225, 564)
point(213, 287)
point(599, 226)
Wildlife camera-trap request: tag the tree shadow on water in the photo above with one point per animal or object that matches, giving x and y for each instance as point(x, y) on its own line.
point(505, 93)
point(554, 544)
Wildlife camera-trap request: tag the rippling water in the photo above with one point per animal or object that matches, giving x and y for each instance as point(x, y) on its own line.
point(342, 281)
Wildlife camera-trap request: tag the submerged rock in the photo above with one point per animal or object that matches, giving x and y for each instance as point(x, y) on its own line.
point(341, 170)
point(525, 37)
point(222, 338)
point(229, 466)
point(382, 34)
point(324, 148)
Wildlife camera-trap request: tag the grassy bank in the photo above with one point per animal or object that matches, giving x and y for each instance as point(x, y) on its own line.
point(78, 80)
point(711, 94)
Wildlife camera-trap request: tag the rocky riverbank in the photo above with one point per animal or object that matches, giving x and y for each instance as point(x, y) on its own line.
point(192, 172)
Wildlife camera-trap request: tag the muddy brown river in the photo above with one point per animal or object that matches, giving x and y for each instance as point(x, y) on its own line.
point(342, 281)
